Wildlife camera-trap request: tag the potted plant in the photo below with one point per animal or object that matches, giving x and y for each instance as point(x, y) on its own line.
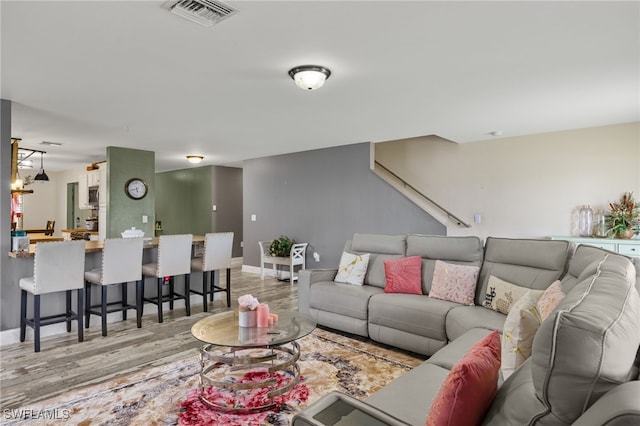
point(281, 247)
point(624, 219)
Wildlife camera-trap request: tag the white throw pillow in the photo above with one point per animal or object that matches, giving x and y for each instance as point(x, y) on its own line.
point(502, 295)
point(352, 269)
point(520, 328)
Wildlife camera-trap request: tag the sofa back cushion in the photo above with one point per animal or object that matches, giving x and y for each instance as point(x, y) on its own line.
point(381, 247)
point(534, 264)
point(589, 344)
point(457, 250)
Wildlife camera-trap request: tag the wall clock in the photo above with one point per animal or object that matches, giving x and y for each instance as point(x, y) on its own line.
point(136, 188)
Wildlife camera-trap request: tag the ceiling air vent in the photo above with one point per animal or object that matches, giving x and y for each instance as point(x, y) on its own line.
point(203, 12)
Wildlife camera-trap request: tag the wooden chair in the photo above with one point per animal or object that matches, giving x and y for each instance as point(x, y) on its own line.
point(297, 256)
point(58, 267)
point(174, 258)
point(121, 264)
point(217, 256)
point(51, 224)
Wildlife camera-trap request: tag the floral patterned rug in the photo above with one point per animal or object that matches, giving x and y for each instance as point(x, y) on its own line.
point(169, 394)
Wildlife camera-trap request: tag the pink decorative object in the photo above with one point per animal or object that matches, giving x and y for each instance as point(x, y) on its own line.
point(455, 283)
point(403, 275)
point(275, 317)
point(263, 315)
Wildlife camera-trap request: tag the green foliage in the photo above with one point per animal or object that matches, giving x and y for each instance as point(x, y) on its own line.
point(281, 247)
point(624, 215)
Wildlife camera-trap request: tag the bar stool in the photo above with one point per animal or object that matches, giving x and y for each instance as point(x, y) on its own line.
point(57, 267)
point(174, 258)
point(217, 256)
point(121, 263)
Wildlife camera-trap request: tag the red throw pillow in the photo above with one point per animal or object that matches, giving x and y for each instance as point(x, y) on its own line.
point(403, 275)
point(468, 390)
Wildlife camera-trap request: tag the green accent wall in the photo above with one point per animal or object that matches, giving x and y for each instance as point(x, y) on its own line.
point(184, 201)
point(123, 212)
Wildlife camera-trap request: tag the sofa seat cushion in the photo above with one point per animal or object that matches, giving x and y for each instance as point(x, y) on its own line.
point(409, 397)
point(463, 318)
point(343, 299)
point(414, 314)
point(448, 356)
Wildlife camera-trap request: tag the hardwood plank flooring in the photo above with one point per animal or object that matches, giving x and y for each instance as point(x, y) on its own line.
point(64, 364)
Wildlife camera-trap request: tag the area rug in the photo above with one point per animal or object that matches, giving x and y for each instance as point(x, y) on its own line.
point(161, 395)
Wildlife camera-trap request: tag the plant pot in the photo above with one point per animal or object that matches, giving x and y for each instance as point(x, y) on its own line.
point(626, 234)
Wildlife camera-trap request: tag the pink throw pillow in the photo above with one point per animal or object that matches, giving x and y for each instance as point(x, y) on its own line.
point(455, 283)
point(403, 275)
point(550, 299)
point(468, 390)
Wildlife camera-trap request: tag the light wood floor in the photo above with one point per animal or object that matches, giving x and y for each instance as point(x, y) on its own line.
point(64, 364)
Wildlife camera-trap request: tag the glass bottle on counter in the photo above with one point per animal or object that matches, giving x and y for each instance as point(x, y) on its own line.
point(599, 224)
point(585, 221)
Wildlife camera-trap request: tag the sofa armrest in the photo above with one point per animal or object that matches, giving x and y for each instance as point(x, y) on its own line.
point(338, 409)
point(620, 406)
point(306, 277)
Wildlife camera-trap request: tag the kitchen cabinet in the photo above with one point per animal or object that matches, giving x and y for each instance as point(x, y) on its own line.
point(102, 180)
point(626, 247)
point(93, 178)
point(83, 192)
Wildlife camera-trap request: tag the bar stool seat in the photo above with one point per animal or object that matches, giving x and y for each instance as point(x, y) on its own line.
point(173, 259)
point(217, 255)
point(57, 267)
point(121, 264)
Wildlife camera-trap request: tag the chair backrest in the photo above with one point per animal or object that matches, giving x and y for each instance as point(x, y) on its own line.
point(122, 260)
point(298, 253)
point(58, 266)
point(264, 248)
point(217, 251)
point(174, 255)
point(51, 224)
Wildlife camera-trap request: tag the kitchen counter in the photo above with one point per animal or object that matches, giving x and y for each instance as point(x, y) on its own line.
point(97, 246)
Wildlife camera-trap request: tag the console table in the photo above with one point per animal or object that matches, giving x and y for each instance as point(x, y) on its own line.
point(626, 247)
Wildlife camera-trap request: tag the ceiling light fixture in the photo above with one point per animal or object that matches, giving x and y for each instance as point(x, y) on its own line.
point(41, 176)
point(195, 159)
point(47, 143)
point(310, 77)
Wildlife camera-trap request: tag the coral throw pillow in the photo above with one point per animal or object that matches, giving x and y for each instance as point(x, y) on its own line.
point(352, 269)
point(403, 275)
point(520, 328)
point(455, 283)
point(470, 386)
point(550, 299)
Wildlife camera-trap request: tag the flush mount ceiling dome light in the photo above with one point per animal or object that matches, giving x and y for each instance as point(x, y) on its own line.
point(309, 77)
point(195, 159)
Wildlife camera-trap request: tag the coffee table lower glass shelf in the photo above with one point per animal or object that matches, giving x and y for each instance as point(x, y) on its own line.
point(266, 353)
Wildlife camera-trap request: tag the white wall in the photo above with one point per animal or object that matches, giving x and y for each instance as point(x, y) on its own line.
point(529, 186)
point(49, 199)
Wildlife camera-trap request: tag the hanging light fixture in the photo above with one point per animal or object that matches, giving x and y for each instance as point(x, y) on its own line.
point(310, 77)
point(41, 176)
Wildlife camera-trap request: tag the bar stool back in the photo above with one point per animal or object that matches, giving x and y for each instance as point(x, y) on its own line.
point(121, 264)
point(58, 266)
point(218, 247)
point(174, 258)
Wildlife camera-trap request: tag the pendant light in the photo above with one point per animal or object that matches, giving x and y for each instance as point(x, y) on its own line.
point(41, 176)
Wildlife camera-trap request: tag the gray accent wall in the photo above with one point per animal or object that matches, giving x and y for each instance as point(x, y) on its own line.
point(9, 268)
point(185, 200)
point(322, 197)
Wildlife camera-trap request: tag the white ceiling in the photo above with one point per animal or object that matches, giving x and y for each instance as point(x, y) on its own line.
point(90, 74)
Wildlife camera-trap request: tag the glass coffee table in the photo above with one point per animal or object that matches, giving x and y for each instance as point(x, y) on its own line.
point(231, 350)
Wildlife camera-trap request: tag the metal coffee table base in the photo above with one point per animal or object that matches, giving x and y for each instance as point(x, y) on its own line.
point(275, 358)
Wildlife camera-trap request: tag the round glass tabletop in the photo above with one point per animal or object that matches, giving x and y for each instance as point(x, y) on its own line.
point(223, 330)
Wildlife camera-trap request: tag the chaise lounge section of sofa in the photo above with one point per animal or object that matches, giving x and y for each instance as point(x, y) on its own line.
point(584, 364)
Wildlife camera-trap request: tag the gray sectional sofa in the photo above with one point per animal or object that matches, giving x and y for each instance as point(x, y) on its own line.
point(584, 364)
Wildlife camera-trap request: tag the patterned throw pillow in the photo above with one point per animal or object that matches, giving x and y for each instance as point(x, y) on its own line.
point(469, 388)
point(352, 269)
point(501, 295)
point(550, 299)
point(455, 283)
point(519, 330)
point(403, 275)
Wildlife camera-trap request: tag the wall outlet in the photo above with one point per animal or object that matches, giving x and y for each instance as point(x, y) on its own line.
point(253, 218)
point(241, 243)
point(316, 256)
point(477, 218)
point(215, 207)
point(145, 218)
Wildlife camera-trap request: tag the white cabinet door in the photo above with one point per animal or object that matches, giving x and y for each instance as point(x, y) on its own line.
point(83, 192)
point(102, 224)
point(102, 188)
point(93, 178)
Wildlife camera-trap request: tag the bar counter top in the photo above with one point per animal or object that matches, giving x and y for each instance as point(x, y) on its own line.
point(97, 246)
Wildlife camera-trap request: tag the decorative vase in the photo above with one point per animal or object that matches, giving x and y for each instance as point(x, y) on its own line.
point(627, 234)
point(246, 317)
